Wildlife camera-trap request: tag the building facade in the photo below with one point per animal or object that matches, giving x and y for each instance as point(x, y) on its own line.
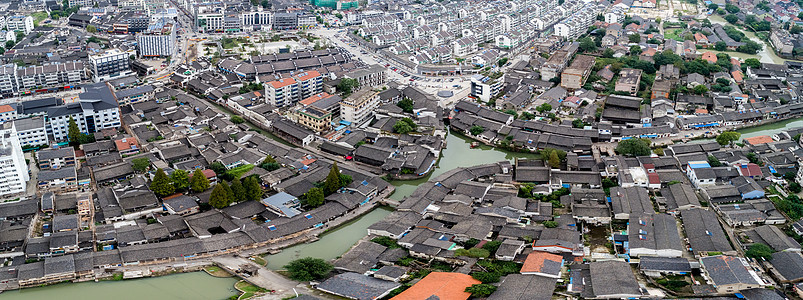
point(12, 162)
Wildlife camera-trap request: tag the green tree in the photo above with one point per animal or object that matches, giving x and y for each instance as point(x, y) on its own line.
point(759, 251)
point(587, 44)
point(795, 187)
point(161, 185)
point(713, 161)
point(402, 127)
point(332, 183)
point(486, 277)
point(476, 130)
point(634, 147)
point(550, 224)
point(91, 29)
point(237, 119)
point(721, 46)
point(347, 86)
point(501, 62)
point(608, 53)
point(218, 168)
point(313, 198)
point(406, 105)
point(199, 182)
point(238, 190)
point(140, 164)
point(634, 38)
point(253, 190)
point(269, 159)
point(732, 19)
point(544, 108)
point(492, 246)
point(180, 180)
point(700, 89)
point(752, 62)
point(308, 268)
point(219, 197)
point(473, 252)
point(728, 137)
point(480, 290)
point(554, 161)
point(731, 8)
point(635, 50)
point(73, 133)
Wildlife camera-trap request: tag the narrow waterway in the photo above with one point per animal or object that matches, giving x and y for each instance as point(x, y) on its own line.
point(771, 129)
point(766, 55)
point(185, 286)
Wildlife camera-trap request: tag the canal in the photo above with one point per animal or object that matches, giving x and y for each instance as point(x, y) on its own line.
point(184, 286)
point(766, 55)
point(771, 129)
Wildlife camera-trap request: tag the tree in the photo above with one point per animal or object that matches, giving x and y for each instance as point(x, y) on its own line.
point(253, 190)
point(550, 224)
point(199, 182)
point(501, 62)
point(218, 167)
point(731, 8)
point(608, 53)
point(587, 44)
point(721, 46)
point(140, 164)
point(161, 185)
point(634, 147)
point(237, 119)
point(347, 85)
point(73, 133)
point(91, 29)
point(476, 130)
point(795, 187)
point(492, 246)
point(759, 251)
point(332, 183)
point(404, 126)
point(473, 252)
point(406, 105)
point(219, 197)
point(554, 161)
point(10, 44)
point(634, 38)
point(577, 123)
point(700, 89)
point(752, 62)
point(728, 137)
point(732, 19)
point(635, 50)
point(180, 180)
point(486, 277)
point(480, 290)
point(544, 108)
point(313, 198)
point(238, 190)
point(713, 161)
point(308, 268)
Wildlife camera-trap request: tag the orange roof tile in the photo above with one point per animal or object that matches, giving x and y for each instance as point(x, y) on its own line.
point(445, 286)
point(126, 144)
point(307, 75)
point(282, 83)
point(5, 109)
point(758, 140)
point(701, 111)
point(314, 98)
point(710, 57)
point(737, 75)
point(535, 260)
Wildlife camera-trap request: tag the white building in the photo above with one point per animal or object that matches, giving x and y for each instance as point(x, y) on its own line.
point(158, 40)
point(32, 131)
point(12, 162)
point(20, 23)
point(109, 64)
point(7, 35)
point(485, 87)
point(359, 107)
point(8, 79)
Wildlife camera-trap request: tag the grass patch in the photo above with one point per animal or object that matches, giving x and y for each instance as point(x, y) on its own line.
point(239, 171)
point(259, 260)
point(38, 17)
point(247, 287)
point(216, 271)
point(246, 295)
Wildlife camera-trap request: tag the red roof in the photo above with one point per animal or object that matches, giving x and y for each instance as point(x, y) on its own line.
point(649, 166)
point(750, 169)
point(282, 83)
point(653, 177)
point(535, 260)
point(307, 75)
point(444, 286)
point(710, 57)
point(737, 75)
point(5, 109)
point(758, 140)
point(125, 144)
point(314, 98)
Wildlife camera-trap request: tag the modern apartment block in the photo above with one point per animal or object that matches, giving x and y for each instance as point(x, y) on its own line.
point(485, 87)
point(158, 40)
point(12, 162)
point(359, 107)
point(288, 91)
point(374, 75)
point(108, 64)
point(50, 75)
point(32, 131)
point(20, 23)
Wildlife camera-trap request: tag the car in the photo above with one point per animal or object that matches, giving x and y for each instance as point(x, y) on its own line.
point(412, 79)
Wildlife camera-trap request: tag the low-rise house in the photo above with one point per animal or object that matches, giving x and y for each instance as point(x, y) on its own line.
point(659, 266)
point(440, 285)
point(730, 274)
point(542, 264)
point(357, 286)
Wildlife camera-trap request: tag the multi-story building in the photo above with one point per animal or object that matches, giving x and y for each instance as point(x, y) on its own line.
point(629, 80)
point(369, 77)
point(255, 20)
point(285, 21)
point(358, 108)
point(131, 5)
point(108, 64)
point(7, 113)
point(484, 87)
point(209, 18)
point(32, 131)
point(288, 91)
point(158, 40)
point(95, 109)
point(576, 74)
point(55, 158)
point(8, 79)
point(12, 162)
point(51, 75)
point(84, 3)
point(7, 35)
point(314, 118)
point(20, 23)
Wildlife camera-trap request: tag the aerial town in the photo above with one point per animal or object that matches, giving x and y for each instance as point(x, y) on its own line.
point(406, 150)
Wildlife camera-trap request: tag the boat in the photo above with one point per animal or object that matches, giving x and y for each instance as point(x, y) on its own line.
point(475, 144)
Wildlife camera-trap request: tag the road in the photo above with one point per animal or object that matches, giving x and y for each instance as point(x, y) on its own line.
point(265, 278)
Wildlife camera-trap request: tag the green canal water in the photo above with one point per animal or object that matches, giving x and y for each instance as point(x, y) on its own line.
point(770, 129)
point(185, 286)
